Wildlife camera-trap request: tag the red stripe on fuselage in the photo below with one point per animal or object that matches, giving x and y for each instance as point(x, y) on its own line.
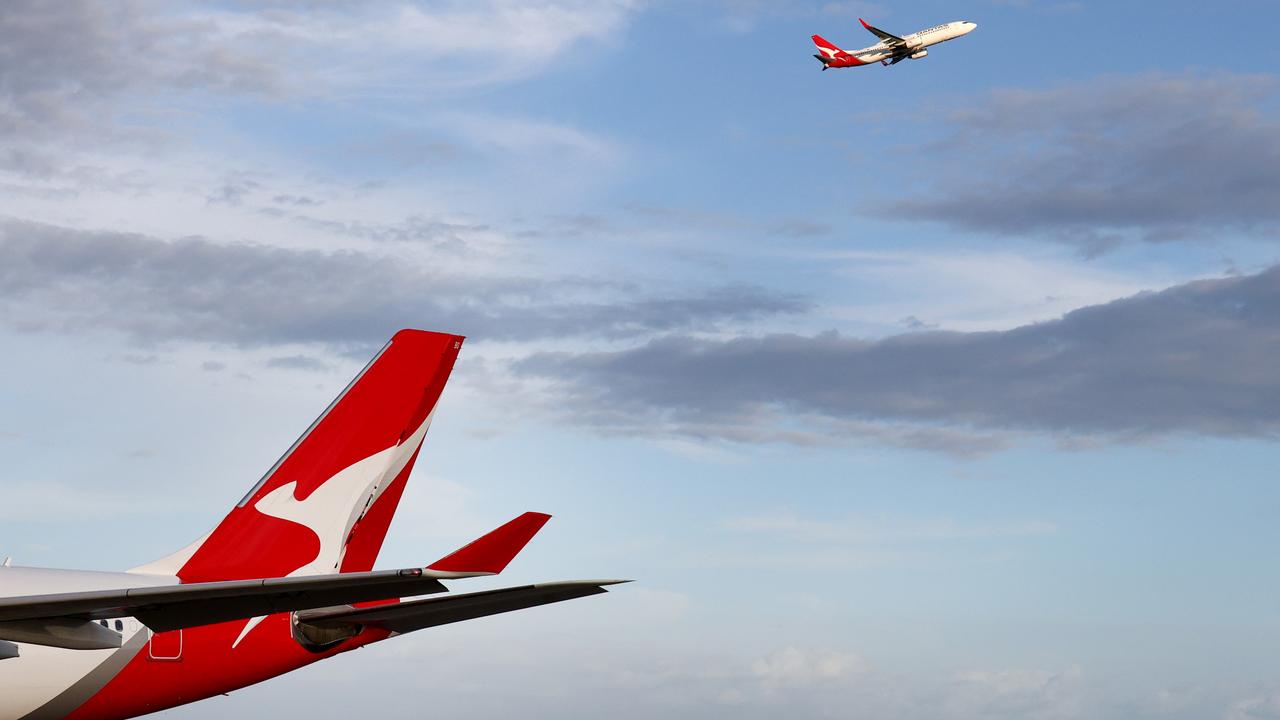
point(208, 667)
point(846, 60)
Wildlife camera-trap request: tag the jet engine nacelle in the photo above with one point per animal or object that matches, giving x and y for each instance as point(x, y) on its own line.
point(919, 54)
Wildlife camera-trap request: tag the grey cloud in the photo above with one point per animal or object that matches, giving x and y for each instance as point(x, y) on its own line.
point(297, 200)
point(1139, 157)
point(59, 60)
point(414, 229)
point(233, 192)
point(914, 323)
point(297, 362)
point(54, 278)
point(1197, 358)
point(93, 71)
point(799, 228)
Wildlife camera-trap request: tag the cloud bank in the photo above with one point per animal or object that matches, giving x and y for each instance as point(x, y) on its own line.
point(1193, 359)
point(1147, 157)
point(152, 290)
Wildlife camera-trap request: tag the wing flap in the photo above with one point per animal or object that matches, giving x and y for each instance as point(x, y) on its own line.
point(170, 607)
point(429, 612)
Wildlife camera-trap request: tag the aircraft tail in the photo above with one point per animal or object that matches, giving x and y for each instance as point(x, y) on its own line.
point(826, 48)
point(326, 505)
point(828, 53)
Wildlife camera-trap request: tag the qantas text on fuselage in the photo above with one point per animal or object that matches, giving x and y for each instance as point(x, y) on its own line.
point(891, 49)
point(284, 580)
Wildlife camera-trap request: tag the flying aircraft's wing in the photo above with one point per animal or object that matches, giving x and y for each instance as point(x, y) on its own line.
point(887, 38)
point(429, 612)
point(64, 619)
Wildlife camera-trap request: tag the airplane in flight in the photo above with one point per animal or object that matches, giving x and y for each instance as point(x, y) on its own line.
point(891, 49)
point(284, 580)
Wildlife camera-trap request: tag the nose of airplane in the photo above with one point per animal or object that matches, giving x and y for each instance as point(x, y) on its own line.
point(970, 26)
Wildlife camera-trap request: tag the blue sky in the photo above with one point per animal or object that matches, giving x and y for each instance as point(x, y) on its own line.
point(938, 391)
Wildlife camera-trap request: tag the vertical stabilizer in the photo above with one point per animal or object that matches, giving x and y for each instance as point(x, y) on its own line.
point(827, 48)
point(325, 506)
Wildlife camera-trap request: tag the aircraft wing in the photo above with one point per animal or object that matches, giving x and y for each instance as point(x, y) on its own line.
point(429, 612)
point(65, 619)
point(887, 38)
point(170, 607)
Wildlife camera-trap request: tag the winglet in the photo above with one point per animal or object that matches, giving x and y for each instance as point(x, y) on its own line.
point(491, 553)
point(866, 24)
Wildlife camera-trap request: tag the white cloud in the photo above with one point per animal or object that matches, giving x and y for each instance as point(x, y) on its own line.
point(793, 668)
point(1016, 693)
point(1260, 706)
point(975, 291)
point(90, 98)
point(381, 47)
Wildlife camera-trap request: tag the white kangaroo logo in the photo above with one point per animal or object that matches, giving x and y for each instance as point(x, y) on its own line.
point(332, 509)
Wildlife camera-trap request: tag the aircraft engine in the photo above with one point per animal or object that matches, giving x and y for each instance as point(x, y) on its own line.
point(919, 54)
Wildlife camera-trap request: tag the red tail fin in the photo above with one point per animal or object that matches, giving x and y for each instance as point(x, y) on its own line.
point(327, 503)
point(827, 48)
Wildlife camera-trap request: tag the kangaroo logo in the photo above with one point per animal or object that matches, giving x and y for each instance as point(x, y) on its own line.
point(332, 509)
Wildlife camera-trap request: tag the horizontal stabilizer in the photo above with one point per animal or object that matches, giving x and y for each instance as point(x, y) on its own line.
point(429, 612)
point(490, 554)
point(171, 607)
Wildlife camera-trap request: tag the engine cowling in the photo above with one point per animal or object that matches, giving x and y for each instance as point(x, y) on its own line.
point(919, 54)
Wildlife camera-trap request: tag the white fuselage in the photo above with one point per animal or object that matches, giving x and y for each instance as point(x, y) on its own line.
point(916, 41)
point(40, 674)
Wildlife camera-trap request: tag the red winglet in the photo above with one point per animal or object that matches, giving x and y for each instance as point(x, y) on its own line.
point(865, 24)
point(491, 553)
